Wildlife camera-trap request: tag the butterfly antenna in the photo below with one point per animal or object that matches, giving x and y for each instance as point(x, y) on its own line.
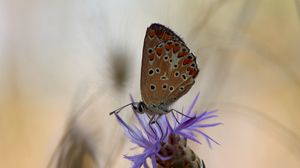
point(121, 108)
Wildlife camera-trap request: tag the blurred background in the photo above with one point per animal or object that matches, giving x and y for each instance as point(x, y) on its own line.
point(64, 65)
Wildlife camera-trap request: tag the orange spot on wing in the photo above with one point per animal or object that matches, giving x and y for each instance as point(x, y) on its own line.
point(192, 72)
point(159, 51)
point(166, 37)
point(189, 69)
point(159, 34)
point(182, 54)
point(151, 33)
point(169, 46)
point(176, 48)
point(187, 61)
point(151, 57)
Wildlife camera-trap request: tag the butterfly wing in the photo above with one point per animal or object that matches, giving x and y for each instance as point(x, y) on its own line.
point(168, 67)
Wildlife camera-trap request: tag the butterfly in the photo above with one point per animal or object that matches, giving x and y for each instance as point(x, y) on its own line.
point(168, 72)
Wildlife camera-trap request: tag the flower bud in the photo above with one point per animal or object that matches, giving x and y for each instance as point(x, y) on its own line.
point(178, 153)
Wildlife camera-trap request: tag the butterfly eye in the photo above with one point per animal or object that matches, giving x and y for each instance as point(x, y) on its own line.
point(181, 88)
point(140, 107)
point(170, 60)
point(152, 87)
point(176, 74)
point(150, 72)
point(175, 66)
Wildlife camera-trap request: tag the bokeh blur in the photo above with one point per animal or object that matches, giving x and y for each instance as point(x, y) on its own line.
point(64, 65)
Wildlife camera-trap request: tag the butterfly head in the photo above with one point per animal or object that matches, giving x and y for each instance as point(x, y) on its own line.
point(139, 107)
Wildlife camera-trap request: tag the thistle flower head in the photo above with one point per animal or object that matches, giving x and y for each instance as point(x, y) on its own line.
point(165, 141)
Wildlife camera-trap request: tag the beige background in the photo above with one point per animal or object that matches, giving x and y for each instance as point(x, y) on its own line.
point(56, 55)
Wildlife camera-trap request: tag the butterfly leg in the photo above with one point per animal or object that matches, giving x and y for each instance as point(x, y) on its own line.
point(182, 113)
point(153, 120)
point(150, 123)
point(156, 121)
point(175, 116)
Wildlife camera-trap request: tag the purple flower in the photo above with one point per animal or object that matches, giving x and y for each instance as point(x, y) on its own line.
point(152, 137)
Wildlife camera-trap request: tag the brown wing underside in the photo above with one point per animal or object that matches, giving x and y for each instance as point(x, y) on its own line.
point(168, 67)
